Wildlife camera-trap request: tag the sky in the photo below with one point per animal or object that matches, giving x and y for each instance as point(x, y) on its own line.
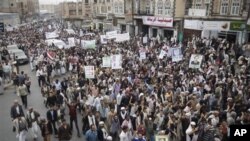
point(53, 1)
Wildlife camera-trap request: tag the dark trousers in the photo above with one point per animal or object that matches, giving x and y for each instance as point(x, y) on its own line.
point(28, 88)
point(24, 100)
point(76, 123)
point(41, 80)
point(53, 123)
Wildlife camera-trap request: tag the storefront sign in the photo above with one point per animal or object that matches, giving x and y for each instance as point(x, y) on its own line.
point(193, 24)
point(238, 26)
point(216, 25)
point(158, 21)
point(207, 25)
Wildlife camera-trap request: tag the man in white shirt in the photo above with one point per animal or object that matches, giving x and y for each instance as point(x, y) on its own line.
point(123, 135)
point(40, 75)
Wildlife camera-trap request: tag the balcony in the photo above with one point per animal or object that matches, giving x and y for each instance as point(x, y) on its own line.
point(197, 12)
point(143, 13)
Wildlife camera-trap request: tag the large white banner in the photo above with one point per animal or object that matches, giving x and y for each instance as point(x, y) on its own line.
point(193, 24)
point(122, 37)
point(51, 35)
point(216, 25)
point(89, 72)
point(70, 31)
point(71, 42)
point(81, 33)
point(195, 61)
point(116, 61)
point(88, 44)
point(158, 21)
point(106, 61)
point(103, 39)
point(111, 34)
point(176, 54)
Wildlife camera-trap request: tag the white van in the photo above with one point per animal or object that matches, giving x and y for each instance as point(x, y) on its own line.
point(20, 56)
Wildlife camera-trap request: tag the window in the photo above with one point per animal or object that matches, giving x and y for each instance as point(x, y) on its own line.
point(72, 12)
point(121, 8)
point(148, 5)
point(235, 7)
point(167, 7)
point(80, 12)
point(198, 4)
point(160, 7)
point(86, 1)
point(116, 7)
point(224, 7)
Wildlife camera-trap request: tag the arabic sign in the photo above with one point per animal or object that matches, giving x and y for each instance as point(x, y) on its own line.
point(111, 34)
point(158, 21)
point(195, 61)
point(106, 61)
point(89, 72)
point(216, 25)
point(238, 25)
point(88, 44)
point(193, 24)
point(116, 61)
point(1, 27)
point(122, 37)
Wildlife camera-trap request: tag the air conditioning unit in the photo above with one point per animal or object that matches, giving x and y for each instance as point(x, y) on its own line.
point(207, 1)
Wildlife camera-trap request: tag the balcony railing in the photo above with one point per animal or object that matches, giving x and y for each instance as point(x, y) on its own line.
point(141, 12)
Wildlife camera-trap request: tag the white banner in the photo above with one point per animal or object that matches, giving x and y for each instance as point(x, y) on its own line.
point(195, 61)
point(216, 25)
point(145, 40)
point(122, 37)
point(70, 31)
point(103, 39)
point(51, 35)
point(176, 54)
point(143, 55)
point(111, 34)
point(162, 54)
point(89, 72)
point(71, 42)
point(88, 44)
point(116, 61)
point(49, 26)
point(193, 24)
point(106, 61)
point(158, 21)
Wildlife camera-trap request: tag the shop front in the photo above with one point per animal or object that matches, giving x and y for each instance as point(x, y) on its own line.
point(242, 31)
point(158, 26)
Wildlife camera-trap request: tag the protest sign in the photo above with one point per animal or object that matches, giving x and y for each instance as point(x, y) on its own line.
point(103, 39)
point(89, 72)
point(122, 37)
point(71, 42)
point(106, 61)
point(88, 44)
point(195, 61)
point(116, 61)
point(176, 54)
point(111, 34)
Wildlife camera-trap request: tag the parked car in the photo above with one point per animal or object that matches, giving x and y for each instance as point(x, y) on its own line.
point(20, 56)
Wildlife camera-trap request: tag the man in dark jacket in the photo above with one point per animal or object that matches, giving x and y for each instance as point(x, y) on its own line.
point(64, 132)
point(46, 129)
point(15, 112)
point(52, 118)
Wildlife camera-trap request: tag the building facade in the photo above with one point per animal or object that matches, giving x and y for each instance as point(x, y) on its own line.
point(224, 19)
point(79, 13)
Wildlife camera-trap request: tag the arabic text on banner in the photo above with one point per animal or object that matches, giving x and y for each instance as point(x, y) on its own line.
point(88, 44)
point(89, 72)
point(122, 37)
point(111, 34)
point(116, 61)
point(195, 61)
point(51, 35)
point(106, 61)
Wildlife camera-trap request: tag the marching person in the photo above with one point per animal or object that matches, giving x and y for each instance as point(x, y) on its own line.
point(64, 131)
point(22, 92)
point(46, 129)
point(21, 128)
point(32, 120)
point(52, 118)
point(102, 133)
point(91, 134)
point(15, 112)
point(73, 116)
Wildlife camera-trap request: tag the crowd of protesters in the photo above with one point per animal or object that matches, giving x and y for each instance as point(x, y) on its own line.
point(144, 99)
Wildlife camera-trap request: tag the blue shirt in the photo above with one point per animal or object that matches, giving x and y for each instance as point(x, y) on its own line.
point(91, 135)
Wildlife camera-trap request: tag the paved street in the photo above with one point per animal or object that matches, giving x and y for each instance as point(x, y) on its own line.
point(35, 100)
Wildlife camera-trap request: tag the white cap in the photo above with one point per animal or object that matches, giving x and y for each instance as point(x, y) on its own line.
point(101, 123)
point(193, 123)
point(141, 94)
point(109, 138)
point(188, 114)
point(122, 108)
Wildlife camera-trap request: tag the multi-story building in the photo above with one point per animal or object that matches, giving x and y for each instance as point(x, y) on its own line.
point(78, 12)
point(224, 19)
point(49, 8)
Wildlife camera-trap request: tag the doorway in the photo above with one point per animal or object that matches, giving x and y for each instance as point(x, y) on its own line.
point(154, 32)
